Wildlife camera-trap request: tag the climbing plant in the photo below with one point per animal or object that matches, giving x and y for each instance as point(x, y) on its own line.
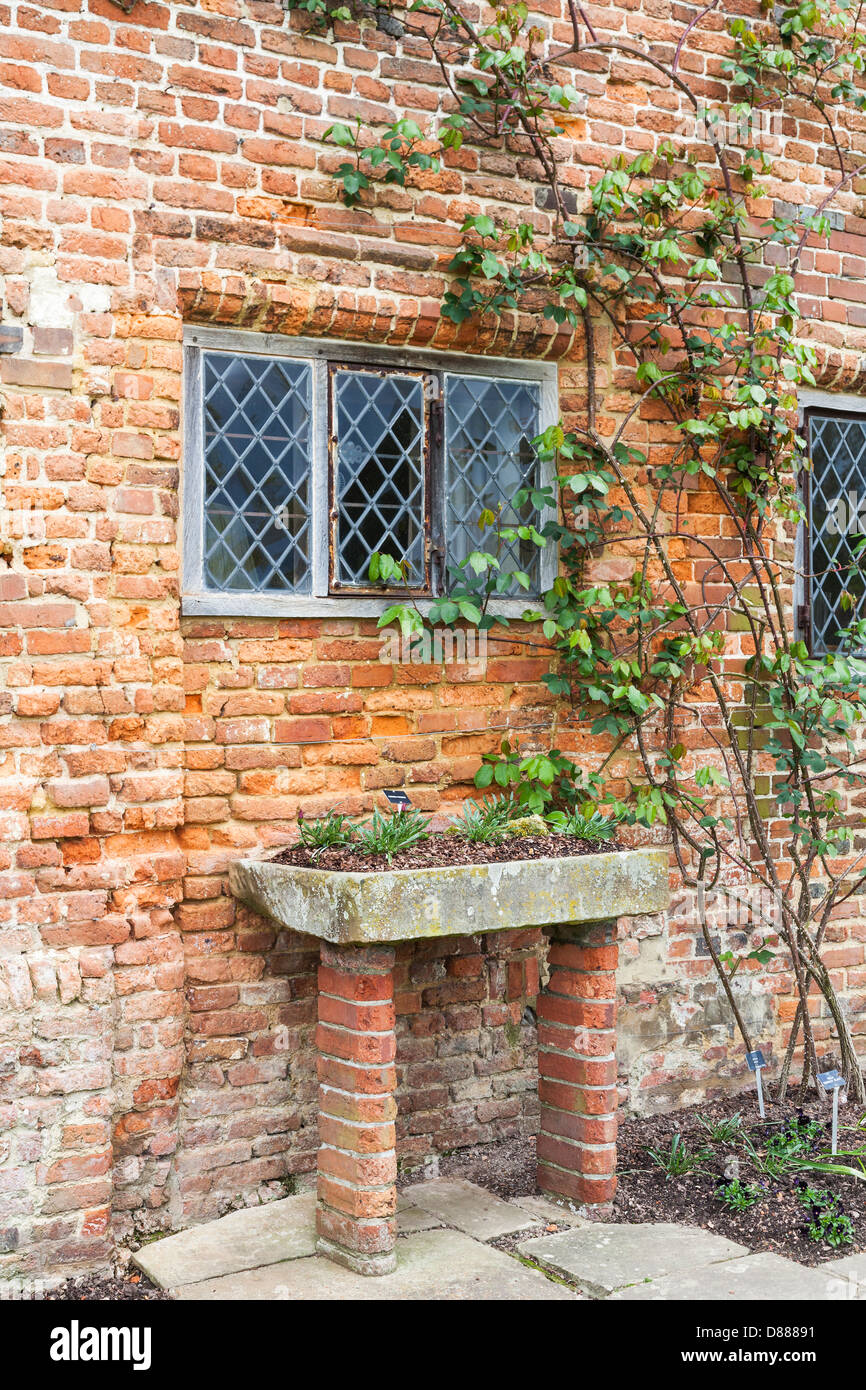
point(678, 286)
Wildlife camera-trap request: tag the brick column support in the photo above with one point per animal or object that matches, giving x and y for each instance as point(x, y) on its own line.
point(357, 1195)
point(577, 1064)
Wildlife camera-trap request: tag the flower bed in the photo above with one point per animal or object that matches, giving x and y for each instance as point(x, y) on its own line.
point(778, 1220)
point(441, 850)
point(772, 1206)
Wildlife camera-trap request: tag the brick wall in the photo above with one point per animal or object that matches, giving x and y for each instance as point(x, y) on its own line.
point(156, 1044)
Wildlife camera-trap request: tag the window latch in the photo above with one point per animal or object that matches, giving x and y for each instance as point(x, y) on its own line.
point(437, 557)
point(437, 423)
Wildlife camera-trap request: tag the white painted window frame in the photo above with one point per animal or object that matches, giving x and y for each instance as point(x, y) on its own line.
point(195, 598)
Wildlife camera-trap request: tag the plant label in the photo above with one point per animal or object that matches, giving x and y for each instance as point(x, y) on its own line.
point(755, 1061)
point(831, 1080)
point(398, 799)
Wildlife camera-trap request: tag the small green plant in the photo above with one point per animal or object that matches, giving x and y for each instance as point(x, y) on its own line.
point(327, 832)
point(723, 1131)
point(389, 835)
point(789, 1148)
point(485, 822)
point(679, 1159)
point(592, 827)
point(797, 1138)
point(828, 1223)
point(739, 1196)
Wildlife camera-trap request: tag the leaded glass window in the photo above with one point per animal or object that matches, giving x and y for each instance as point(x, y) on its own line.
point(489, 428)
point(837, 492)
point(303, 459)
point(379, 468)
point(257, 415)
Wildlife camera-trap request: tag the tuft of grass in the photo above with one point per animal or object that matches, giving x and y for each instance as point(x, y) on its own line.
point(591, 827)
point(679, 1159)
point(723, 1131)
point(485, 822)
point(389, 834)
point(327, 832)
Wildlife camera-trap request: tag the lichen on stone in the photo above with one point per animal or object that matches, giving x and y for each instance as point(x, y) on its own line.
point(524, 826)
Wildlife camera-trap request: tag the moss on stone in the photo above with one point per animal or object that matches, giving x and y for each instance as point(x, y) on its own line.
point(523, 826)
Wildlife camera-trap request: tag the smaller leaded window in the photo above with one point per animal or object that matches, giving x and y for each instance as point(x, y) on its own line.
point(299, 469)
point(836, 594)
point(379, 474)
point(489, 428)
point(257, 429)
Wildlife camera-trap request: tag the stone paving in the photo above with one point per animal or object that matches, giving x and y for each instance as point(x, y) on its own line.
point(444, 1252)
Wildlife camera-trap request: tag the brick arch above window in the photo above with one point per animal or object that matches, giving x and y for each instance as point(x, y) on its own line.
point(326, 311)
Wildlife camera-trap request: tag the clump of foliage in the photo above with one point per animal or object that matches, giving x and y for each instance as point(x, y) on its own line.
point(389, 834)
point(594, 826)
point(485, 822)
point(739, 1196)
point(540, 781)
point(327, 832)
point(679, 1159)
point(723, 1131)
point(798, 1137)
point(787, 1149)
point(828, 1223)
point(666, 271)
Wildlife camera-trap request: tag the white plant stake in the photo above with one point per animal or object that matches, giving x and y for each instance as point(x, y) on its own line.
point(755, 1061)
point(833, 1081)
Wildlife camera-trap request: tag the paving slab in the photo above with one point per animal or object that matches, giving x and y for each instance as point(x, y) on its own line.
point(543, 1209)
point(463, 1204)
point(602, 1258)
point(278, 1231)
point(439, 1265)
point(755, 1278)
point(411, 1219)
point(850, 1267)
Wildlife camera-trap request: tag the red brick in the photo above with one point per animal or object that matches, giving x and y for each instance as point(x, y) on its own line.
point(52, 376)
point(367, 1048)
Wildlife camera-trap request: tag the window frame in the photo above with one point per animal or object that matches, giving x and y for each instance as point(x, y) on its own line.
point(322, 355)
point(813, 402)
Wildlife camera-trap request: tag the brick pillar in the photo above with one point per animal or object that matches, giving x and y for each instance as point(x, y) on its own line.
point(577, 1064)
point(357, 1196)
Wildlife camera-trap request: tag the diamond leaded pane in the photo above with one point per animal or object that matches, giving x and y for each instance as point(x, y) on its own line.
point(379, 483)
point(257, 428)
point(838, 452)
point(489, 428)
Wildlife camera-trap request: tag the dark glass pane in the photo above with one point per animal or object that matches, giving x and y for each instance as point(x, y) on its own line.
point(489, 426)
point(257, 413)
point(379, 482)
point(838, 452)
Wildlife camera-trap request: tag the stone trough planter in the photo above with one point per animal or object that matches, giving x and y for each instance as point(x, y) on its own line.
point(359, 916)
